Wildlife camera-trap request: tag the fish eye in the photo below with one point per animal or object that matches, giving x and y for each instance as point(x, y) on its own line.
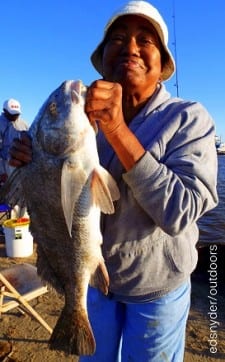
point(53, 109)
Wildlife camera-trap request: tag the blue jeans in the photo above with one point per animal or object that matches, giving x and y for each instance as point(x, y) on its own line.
point(147, 332)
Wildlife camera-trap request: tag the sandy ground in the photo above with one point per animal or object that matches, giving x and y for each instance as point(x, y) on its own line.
point(23, 339)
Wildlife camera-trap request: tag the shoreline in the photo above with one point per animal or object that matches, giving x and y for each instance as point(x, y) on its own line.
point(23, 339)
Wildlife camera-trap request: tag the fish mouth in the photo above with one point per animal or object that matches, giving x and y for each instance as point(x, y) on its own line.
point(77, 88)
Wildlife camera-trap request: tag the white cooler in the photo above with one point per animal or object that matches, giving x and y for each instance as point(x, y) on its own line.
point(18, 239)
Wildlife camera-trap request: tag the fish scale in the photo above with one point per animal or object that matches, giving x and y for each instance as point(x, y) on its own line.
point(65, 190)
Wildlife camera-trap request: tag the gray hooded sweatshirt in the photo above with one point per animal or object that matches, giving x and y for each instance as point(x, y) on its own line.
point(149, 243)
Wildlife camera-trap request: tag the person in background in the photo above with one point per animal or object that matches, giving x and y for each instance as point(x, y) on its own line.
point(11, 126)
point(161, 152)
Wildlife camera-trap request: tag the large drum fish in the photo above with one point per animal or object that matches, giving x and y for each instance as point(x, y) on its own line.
point(65, 189)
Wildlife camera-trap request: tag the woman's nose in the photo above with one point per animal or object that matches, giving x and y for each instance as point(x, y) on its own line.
point(131, 46)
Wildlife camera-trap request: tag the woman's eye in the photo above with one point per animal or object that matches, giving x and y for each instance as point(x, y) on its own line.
point(117, 38)
point(146, 40)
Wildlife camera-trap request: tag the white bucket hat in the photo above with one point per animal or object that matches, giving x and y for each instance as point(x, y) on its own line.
point(149, 12)
point(12, 106)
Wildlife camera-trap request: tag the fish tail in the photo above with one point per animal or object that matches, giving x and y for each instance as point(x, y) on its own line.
point(73, 334)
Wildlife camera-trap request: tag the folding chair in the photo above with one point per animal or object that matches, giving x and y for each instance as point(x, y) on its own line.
point(18, 285)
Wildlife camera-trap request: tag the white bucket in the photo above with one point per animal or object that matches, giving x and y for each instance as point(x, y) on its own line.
point(18, 239)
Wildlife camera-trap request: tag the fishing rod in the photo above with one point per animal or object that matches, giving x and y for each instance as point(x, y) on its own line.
point(175, 49)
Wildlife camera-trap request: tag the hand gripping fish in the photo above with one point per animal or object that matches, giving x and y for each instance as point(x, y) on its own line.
point(65, 190)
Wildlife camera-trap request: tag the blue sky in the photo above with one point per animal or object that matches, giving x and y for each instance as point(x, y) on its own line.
point(45, 42)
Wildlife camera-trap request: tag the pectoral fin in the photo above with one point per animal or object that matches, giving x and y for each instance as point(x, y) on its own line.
point(104, 190)
point(72, 180)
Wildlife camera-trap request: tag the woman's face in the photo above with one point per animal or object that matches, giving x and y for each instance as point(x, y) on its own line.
point(131, 55)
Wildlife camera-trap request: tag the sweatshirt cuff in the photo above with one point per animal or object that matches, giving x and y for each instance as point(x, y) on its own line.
point(147, 168)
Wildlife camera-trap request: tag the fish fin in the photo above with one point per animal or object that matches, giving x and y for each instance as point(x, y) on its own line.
point(104, 190)
point(73, 334)
point(11, 192)
point(100, 279)
point(110, 182)
point(71, 186)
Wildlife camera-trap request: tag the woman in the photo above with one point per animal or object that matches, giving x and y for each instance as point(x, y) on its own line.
point(161, 152)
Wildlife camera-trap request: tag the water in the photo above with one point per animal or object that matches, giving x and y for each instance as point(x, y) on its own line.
point(212, 224)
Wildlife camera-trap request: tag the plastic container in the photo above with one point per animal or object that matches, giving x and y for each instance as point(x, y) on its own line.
point(18, 239)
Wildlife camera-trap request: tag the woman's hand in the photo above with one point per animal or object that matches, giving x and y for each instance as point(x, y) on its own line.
point(3, 178)
point(104, 105)
point(20, 152)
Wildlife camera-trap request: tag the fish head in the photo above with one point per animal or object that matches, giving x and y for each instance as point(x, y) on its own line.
point(61, 120)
